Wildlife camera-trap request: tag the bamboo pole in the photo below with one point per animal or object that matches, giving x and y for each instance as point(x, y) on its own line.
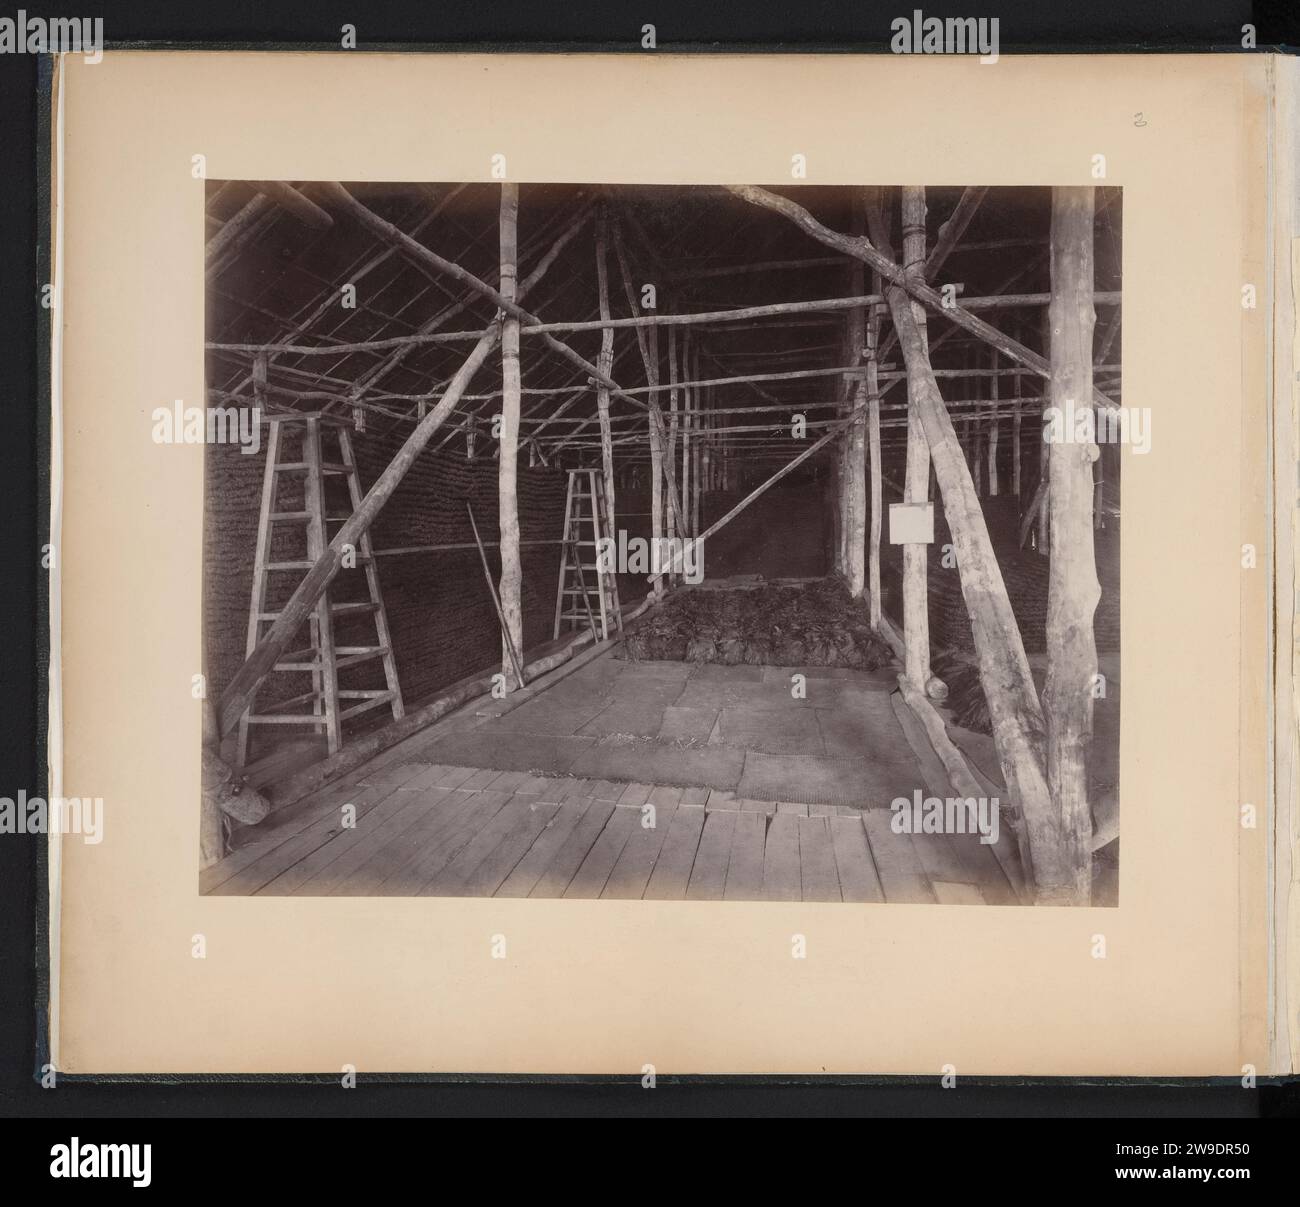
point(1073, 589)
point(512, 614)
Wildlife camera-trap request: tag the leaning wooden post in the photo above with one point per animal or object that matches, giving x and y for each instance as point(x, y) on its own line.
point(916, 599)
point(1014, 710)
point(1073, 590)
point(511, 586)
point(605, 363)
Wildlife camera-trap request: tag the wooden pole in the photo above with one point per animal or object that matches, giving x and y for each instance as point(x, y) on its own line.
point(661, 472)
point(1016, 437)
point(670, 452)
point(506, 640)
point(1073, 589)
point(950, 232)
point(993, 429)
point(916, 598)
point(512, 614)
point(856, 439)
point(1043, 540)
point(605, 363)
point(1014, 709)
point(873, 443)
point(688, 403)
point(286, 196)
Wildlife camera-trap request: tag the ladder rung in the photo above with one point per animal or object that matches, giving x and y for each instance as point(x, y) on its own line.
point(344, 657)
point(304, 719)
point(333, 468)
point(305, 565)
point(360, 656)
point(291, 515)
point(342, 609)
point(365, 705)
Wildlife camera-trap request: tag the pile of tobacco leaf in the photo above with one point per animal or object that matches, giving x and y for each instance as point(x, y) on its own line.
point(818, 624)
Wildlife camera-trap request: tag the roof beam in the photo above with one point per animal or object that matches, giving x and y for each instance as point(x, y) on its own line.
point(862, 248)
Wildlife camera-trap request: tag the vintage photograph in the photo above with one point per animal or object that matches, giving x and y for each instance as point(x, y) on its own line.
point(704, 543)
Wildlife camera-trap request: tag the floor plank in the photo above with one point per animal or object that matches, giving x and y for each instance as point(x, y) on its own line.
point(745, 865)
point(489, 875)
point(560, 871)
point(264, 868)
point(672, 872)
point(403, 866)
point(589, 880)
point(859, 880)
point(709, 875)
point(817, 872)
point(631, 874)
point(523, 878)
point(395, 815)
point(781, 878)
point(901, 872)
point(488, 858)
point(319, 816)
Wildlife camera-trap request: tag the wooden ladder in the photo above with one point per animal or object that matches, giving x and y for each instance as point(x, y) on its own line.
point(330, 704)
point(585, 593)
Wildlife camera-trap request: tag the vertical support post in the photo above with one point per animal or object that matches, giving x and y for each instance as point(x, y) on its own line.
point(688, 397)
point(873, 443)
point(993, 424)
point(1073, 589)
point(1016, 433)
point(856, 438)
point(605, 363)
point(507, 465)
point(916, 602)
point(670, 451)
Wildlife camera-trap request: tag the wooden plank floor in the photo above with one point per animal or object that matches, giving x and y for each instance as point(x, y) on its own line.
point(422, 829)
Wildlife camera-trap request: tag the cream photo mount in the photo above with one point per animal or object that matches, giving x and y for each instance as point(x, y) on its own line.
point(1182, 984)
